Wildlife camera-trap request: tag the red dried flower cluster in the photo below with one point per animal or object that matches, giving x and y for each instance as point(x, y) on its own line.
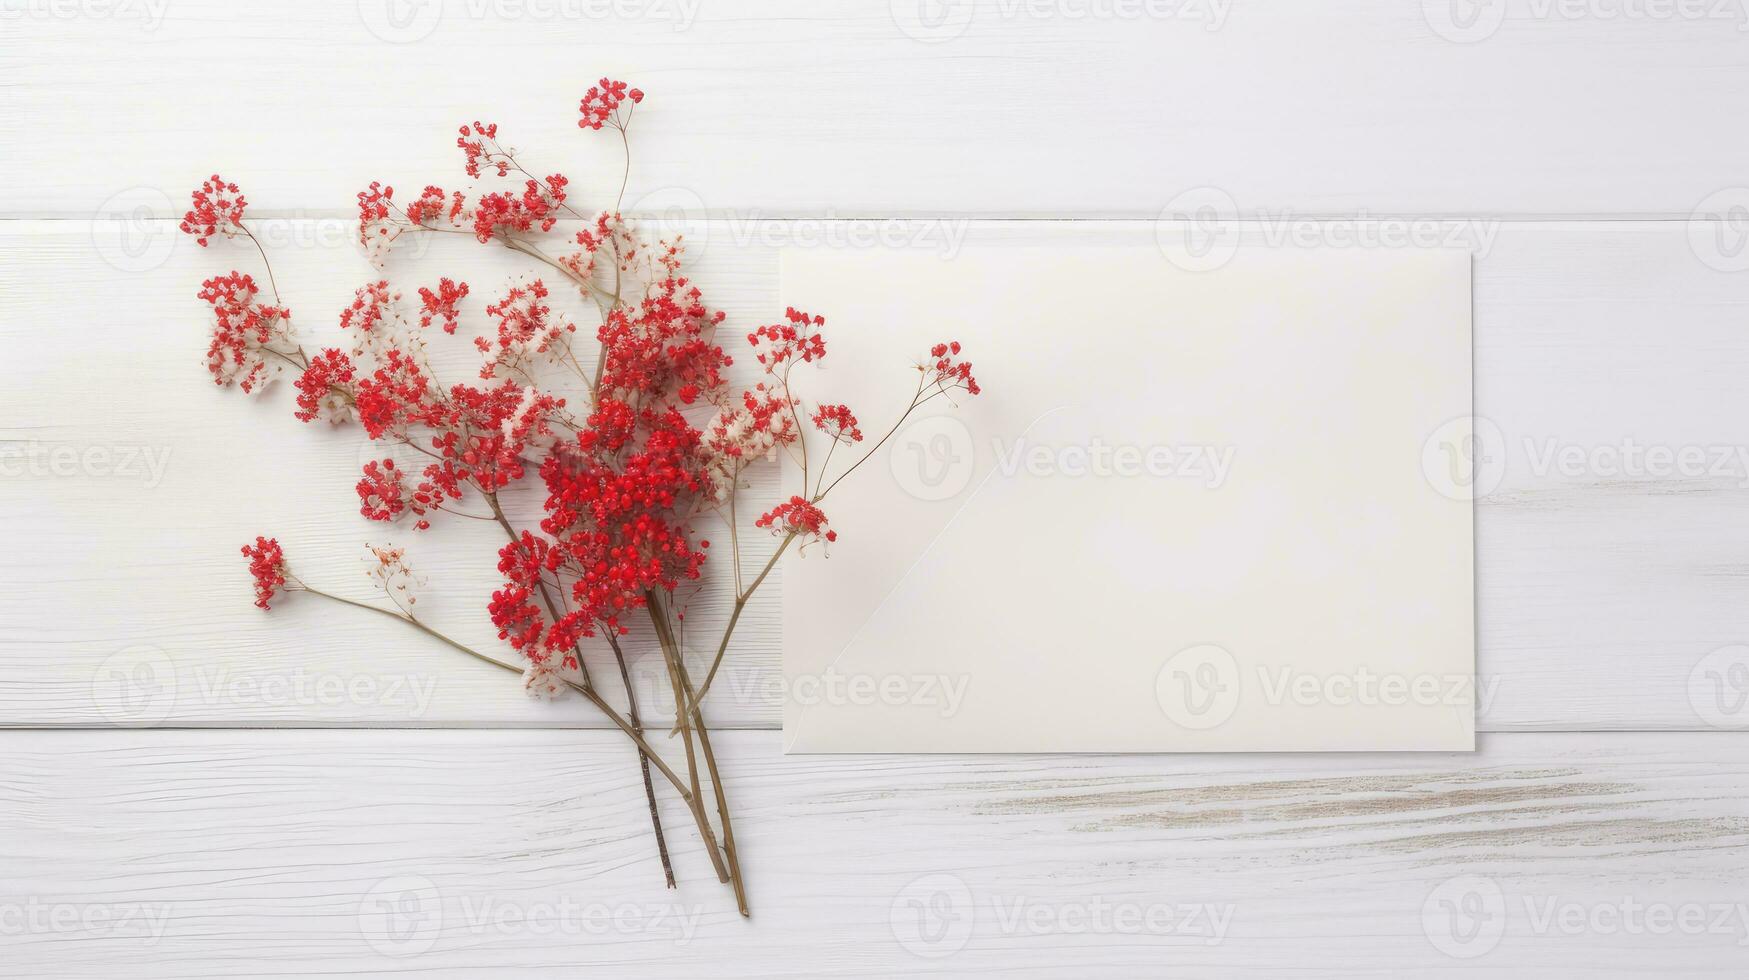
point(323, 388)
point(949, 371)
point(505, 212)
point(383, 495)
point(664, 440)
point(250, 341)
point(528, 332)
point(796, 517)
point(218, 208)
point(432, 208)
point(371, 305)
point(442, 303)
point(266, 567)
point(838, 423)
point(602, 101)
point(473, 142)
point(792, 340)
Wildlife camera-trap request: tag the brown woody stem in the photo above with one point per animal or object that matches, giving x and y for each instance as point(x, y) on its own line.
point(631, 701)
point(666, 640)
point(690, 722)
point(689, 797)
point(710, 761)
point(644, 763)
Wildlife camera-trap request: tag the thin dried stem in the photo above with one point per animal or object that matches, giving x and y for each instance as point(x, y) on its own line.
point(735, 617)
point(666, 639)
point(649, 789)
point(692, 722)
point(593, 698)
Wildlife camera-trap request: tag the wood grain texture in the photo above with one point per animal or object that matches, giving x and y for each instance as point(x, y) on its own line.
point(488, 854)
point(1608, 598)
point(1602, 588)
point(1073, 108)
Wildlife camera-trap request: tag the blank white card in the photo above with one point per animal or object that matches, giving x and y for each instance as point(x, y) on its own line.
point(1218, 510)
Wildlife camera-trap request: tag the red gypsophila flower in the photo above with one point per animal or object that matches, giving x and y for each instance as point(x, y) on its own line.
point(218, 208)
point(322, 388)
point(604, 99)
point(473, 143)
point(441, 305)
point(838, 423)
point(796, 340)
point(267, 567)
point(503, 211)
point(381, 494)
point(798, 517)
point(244, 333)
point(949, 372)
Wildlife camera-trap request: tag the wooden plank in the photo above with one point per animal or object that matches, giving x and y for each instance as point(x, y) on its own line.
point(1074, 108)
point(1604, 589)
point(481, 854)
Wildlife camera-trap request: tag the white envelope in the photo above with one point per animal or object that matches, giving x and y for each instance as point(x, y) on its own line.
point(1223, 510)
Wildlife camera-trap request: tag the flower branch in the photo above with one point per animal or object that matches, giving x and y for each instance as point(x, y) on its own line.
point(666, 435)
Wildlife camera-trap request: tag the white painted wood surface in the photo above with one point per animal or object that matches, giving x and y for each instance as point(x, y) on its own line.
point(1589, 158)
point(1011, 107)
point(491, 854)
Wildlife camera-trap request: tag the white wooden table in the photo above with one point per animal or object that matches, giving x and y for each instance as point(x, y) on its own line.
point(189, 788)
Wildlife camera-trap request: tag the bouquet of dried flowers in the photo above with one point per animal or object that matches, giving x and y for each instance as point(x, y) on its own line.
point(636, 434)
